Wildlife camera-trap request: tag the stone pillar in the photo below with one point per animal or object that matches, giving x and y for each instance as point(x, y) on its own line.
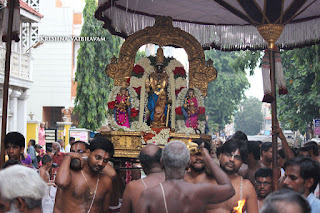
point(22, 113)
point(14, 110)
point(10, 112)
point(63, 131)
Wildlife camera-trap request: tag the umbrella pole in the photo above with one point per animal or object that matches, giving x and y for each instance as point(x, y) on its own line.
point(6, 81)
point(275, 171)
point(270, 33)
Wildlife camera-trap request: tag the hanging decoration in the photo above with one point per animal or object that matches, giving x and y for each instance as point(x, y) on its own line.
point(226, 25)
point(279, 74)
point(266, 76)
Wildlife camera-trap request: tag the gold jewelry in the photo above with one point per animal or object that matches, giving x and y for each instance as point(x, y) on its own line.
point(91, 192)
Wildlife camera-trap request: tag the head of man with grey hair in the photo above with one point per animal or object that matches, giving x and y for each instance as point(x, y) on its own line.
point(56, 147)
point(57, 156)
point(177, 195)
point(285, 201)
point(175, 158)
point(21, 190)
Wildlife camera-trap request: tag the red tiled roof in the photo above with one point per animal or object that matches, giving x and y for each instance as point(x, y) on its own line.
point(25, 6)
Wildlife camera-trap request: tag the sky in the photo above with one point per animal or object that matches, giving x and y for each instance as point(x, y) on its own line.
point(256, 88)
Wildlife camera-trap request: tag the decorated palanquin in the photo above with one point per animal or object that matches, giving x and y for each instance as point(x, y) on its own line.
point(153, 100)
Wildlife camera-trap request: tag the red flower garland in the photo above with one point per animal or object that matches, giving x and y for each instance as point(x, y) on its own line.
point(134, 112)
point(179, 71)
point(202, 110)
point(111, 104)
point(177, 91)
point(179, 110)
point(138, 70)
point(137, 89)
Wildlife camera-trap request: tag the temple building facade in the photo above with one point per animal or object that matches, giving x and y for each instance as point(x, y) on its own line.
point(54, 91)
point(21, 65)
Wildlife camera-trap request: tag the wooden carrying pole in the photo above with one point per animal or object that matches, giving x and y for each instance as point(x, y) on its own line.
point(11, 4)
point(275, 173)
point(271, 33)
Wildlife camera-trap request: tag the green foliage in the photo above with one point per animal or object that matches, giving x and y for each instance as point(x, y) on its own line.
point(249, 117)
point(302, 73)
point(247, 60)
point(202, 117)
point(93, 84)
point(226, 92)
point(139, 55)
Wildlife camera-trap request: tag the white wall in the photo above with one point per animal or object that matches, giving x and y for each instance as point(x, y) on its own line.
point(52, 61)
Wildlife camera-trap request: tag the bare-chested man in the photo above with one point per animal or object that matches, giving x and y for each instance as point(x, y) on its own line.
point(266, 155)
point(232, 154)
point(149, 158)
point(45, 168)
point(197, 167)
point(177, 195)
point(79, 147)
point(252, 161)
point(87, 189)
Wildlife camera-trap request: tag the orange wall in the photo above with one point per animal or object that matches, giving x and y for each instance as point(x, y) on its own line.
point(74, 89)
point(58, 3)
point(77, 18)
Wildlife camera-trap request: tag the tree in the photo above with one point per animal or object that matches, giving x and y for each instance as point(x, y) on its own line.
point(301, 105)
point(93, 84)
point(302, 73)
point(247, 60)
point(226, 92)
point(139, 55)
point(249, 117)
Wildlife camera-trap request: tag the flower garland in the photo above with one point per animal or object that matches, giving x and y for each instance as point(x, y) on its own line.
point(177, 81)
point(180, 120)
point(159, 139)
point(138, 71)
point(180, 82)
point(134, 109)
point(136, 82)
point(145, 63)
point(141, 71)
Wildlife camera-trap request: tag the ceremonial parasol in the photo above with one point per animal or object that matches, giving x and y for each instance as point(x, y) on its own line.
point(225, 25)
